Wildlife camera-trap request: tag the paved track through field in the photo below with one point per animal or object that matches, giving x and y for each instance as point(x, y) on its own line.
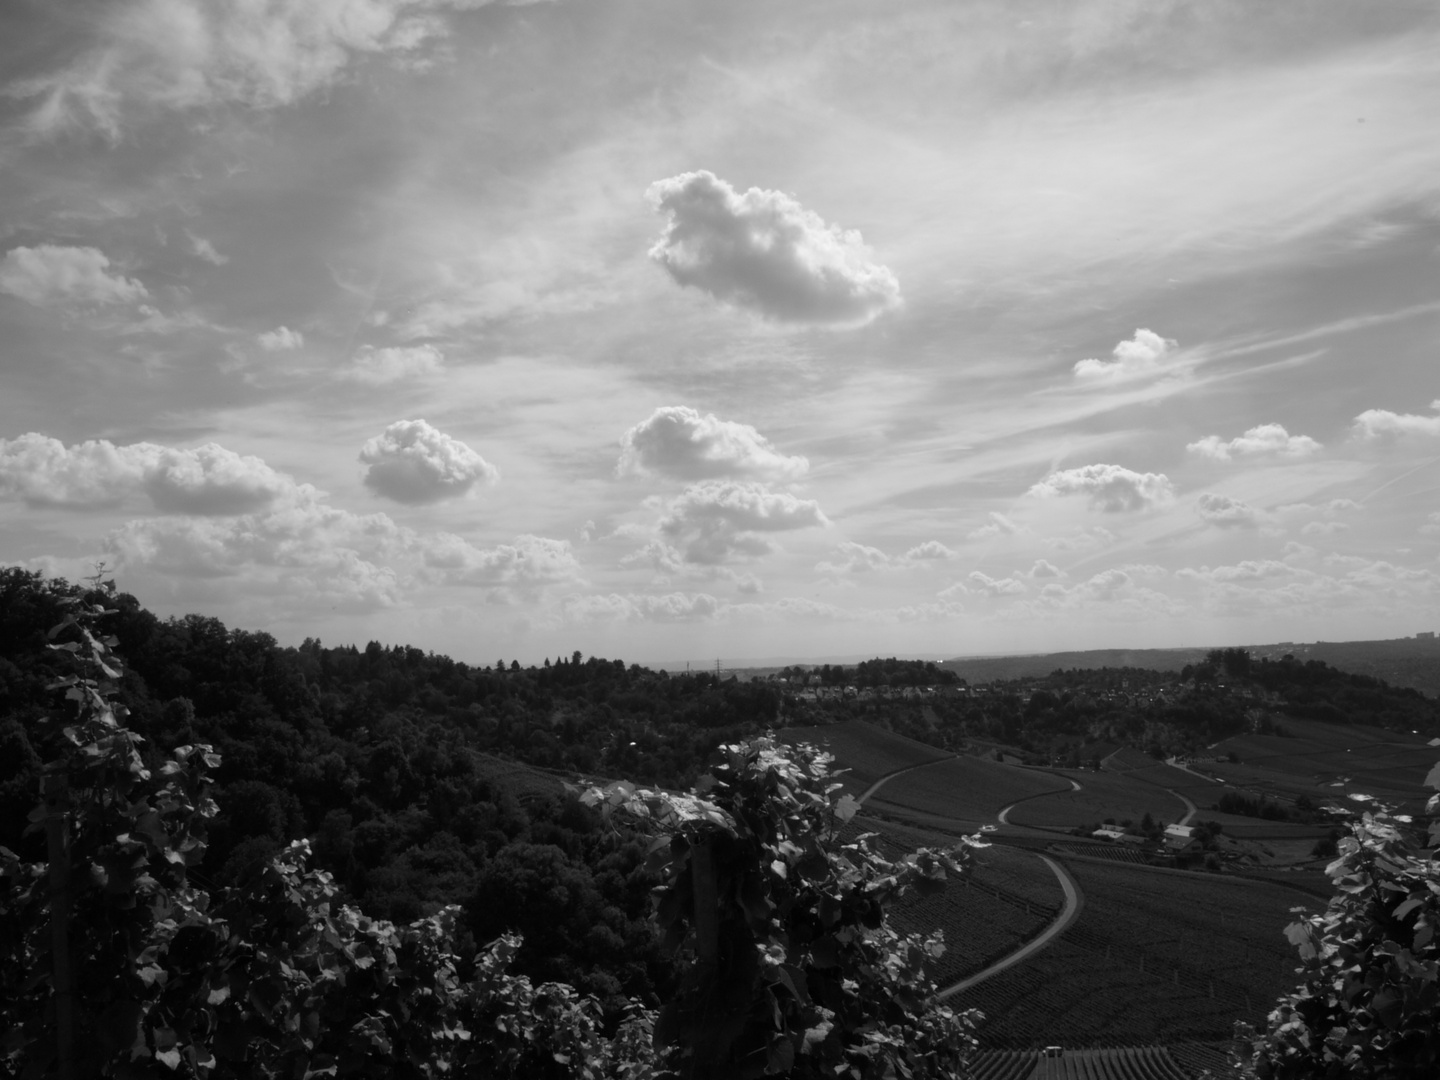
point(899, 772)
point(1004, 816)
point(1193, 808)
point(1073, 897)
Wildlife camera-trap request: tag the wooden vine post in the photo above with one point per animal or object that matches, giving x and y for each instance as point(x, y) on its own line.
point(707, 925)
point(55, 791)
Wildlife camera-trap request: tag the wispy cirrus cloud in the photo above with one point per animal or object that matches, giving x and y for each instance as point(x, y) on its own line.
point(762, 251)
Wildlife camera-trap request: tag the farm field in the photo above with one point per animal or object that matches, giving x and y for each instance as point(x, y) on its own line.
point(965, 788)
point(867, 751)
point(1155, 957)
point(1102, 795)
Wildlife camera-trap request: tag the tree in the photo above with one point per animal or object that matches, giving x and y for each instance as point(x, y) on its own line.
point(794, 969)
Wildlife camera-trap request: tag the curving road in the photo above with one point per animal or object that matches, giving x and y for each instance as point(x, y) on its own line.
point(1063, 920)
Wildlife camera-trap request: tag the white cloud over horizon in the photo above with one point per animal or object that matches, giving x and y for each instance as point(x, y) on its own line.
point(56, 274)
point(1264, 439)
point(1143, 354)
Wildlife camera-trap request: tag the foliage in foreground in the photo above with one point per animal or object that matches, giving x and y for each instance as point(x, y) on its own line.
point(797, 971)
point(797, 974)
point(1370, 1003)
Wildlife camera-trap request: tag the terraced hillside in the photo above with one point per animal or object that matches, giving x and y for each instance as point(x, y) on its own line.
point(1155, 957)
point(1119, 1063)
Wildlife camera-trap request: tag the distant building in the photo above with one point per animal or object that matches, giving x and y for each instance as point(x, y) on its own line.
point(1181, 838)
point(1425, 635)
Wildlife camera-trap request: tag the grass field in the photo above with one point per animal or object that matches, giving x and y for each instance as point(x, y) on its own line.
point(965, 788)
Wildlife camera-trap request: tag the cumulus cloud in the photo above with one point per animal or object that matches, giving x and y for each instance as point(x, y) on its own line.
point(677, 441)
point(527, 565)
point(209, 479)
point(1145, 353)
point(1266, 439)
point(414, 463)
point(985, 585)
point(717, 520)
point(51, 275)
point(1246, 570)
point(761, 250)
point(376, 367)
point(281, 339)
point(187, 54)
point(1111, 488)
point(1379, 423)
point(1432, 524)
point(1225, 512)
point(860, 558)
point(1043, 568)
point(298, 558)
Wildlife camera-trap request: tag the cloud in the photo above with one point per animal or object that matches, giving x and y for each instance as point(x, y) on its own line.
point(1247, 570)
point(860, 559)
point(675, 607)
point(1145, 353)
point(761, 250)
point(717, 520)
point(51, 275)
point(1111, 488)
point(1269, 439)
point(1432, 524)
point(526, 566)
point(376, 367)
point(295, 559)
point(1081, 539)
point(985, 585)
point(1225, 512)
point(677, 441)
point(999, 525)
point(414, 463)
point(1379, 423)
point(188, 54)
point(208, 480)
point(281, 339)
point(1043, 568)
point(204, 249)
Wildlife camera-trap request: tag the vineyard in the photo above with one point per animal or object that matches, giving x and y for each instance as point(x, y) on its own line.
point(1102, 795)
point(964, 789)
point(866, 751)
point(1008, 898)
point(1123, 1063)
point(1155, 957)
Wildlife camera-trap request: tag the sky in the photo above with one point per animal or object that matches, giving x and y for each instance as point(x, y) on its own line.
point(670, 330)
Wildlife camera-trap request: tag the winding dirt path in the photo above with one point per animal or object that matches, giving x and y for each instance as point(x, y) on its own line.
point(1073, 900)
point(1193, 808)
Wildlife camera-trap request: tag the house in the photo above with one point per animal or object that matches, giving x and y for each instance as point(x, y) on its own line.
point(1180, 839)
